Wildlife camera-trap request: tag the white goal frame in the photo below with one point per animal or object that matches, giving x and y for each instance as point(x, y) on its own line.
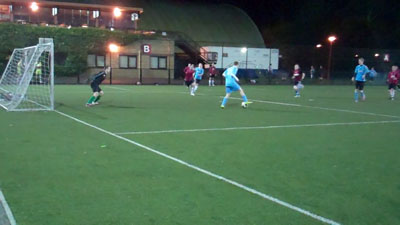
point(27, 83)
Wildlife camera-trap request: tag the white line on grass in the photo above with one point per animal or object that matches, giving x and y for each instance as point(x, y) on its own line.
point(306, 106)
point(117, 88)
point(234, 183)
point(260, 127)
point(7, 209)
point(322, 108)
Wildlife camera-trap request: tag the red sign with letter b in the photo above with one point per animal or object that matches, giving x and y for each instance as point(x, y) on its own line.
point(146, 49)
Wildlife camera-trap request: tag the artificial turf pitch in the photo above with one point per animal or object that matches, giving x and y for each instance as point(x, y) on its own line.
point(56, 170)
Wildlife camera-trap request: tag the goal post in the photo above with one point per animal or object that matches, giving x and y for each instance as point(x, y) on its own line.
point(27, 83)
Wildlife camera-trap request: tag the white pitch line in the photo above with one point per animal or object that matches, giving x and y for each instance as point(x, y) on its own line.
point(308, 106)
point(322, 108)
point(117, 88)
point(234, 183)
point(260, 127)
point(7, 209)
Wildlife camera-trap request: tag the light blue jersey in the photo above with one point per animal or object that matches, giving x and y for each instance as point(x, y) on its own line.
point(360, 71)
point(232, 85)
point(198, 73)
point(230, 74)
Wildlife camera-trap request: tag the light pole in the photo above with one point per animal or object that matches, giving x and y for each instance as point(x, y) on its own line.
point(34, 7)
point(331, 39)
point(112, 48)
point(315, 54)
point(116, 14)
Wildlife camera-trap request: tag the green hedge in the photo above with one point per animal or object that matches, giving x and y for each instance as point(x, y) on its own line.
point(73, 44)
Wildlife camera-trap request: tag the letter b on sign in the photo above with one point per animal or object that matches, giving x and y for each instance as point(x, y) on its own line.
point(146, 49)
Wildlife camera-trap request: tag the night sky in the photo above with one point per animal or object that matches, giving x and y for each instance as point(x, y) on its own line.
point(361, 24)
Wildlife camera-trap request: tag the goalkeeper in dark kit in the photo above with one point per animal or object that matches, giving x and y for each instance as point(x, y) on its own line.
point(95, 85)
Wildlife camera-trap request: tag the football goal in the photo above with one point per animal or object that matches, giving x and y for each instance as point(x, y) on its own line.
point(27, 83)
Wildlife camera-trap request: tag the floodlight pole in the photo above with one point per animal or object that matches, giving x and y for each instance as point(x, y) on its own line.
point(331, 39)
point(110, 68)
point(330, 61)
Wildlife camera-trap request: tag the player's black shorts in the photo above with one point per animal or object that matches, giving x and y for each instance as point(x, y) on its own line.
point(212, 75)
point(296, 82)
point(198, 81)
point(95, 87)
point(188, 83)
point(360, 85)
point(392, 86)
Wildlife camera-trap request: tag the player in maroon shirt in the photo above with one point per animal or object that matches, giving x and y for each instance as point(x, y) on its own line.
point(212, 72)
point(189, 71)
point(297, 77)
point(393, 80)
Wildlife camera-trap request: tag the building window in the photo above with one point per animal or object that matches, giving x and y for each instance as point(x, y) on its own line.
point(158, 62)
point(54, 11)
point(96, 14)
point(134, 16)
point(127, 62)
point(91, 60)
point(132, 61)
point(100, 61)
point(96, 61)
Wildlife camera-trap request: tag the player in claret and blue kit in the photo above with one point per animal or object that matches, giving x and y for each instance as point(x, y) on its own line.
point(297, 77)
point(95, 85)
point(189, 74)
point(359, 77)
point(232, 85)
point(393, 80)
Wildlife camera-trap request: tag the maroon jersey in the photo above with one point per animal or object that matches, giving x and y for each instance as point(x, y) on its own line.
point(393, 77)
point(212, 70)
point(188, 73)
point(298, 75)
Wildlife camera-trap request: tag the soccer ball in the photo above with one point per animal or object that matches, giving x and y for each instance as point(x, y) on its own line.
point(244, 105)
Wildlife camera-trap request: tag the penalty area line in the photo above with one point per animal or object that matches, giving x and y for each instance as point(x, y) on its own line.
point(321, 108)
point(259, 127)
point(211, 174)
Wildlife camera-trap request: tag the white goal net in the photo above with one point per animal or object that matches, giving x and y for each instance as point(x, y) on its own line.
point(27, 83)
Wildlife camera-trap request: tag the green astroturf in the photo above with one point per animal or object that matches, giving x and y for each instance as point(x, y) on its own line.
point(54, 170)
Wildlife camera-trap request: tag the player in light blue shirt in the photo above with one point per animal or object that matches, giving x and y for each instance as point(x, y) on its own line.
point(232, 85)
point(198, 75)
point(360, 74)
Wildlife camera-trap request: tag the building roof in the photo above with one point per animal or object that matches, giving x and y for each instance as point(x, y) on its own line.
point(213, 23)
point(74, 5)
point(208, 23)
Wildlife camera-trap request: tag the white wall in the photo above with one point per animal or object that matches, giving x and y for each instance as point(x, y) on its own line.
point(257, 58)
